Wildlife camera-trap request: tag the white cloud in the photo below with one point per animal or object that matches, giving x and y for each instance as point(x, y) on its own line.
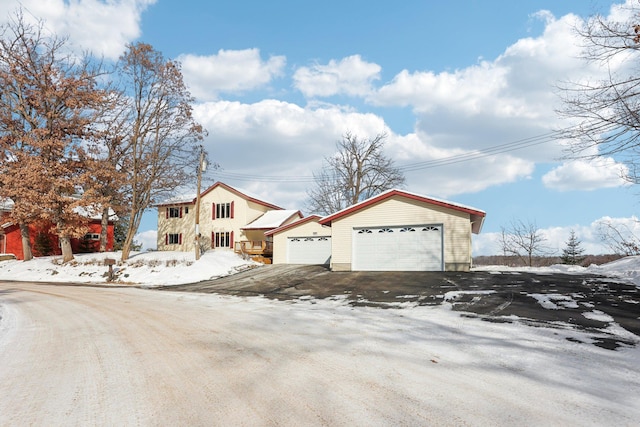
point(557, 237)
point(101, 27)
point(276, 138)
point(587, 175)
point(350, 76)
point(228, 71)
point(148, 239)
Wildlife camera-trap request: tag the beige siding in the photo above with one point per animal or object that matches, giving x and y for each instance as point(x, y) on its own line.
point(184, 226)
point(243, 213)
point(401, 211)
point(311, 228)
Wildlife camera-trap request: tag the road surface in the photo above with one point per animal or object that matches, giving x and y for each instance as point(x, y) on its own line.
point(76, 355)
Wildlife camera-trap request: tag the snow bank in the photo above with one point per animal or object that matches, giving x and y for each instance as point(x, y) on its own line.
point(627, 269)
point(146, 268)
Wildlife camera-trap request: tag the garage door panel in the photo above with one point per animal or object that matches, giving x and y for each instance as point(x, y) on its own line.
point(398, 248)
point(309, 250)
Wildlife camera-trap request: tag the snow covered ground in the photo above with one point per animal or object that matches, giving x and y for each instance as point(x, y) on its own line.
point(428, 363)
point(172, 268)
point(144, 268)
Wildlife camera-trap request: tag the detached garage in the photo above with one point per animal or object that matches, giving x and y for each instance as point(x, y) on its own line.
point(302, 242)
point(402, 231)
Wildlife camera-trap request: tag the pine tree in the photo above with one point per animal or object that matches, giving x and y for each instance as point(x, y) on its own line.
point(43, 245)
point(572, 253)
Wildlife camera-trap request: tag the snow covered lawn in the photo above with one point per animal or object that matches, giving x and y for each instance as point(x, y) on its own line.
point(144, 268)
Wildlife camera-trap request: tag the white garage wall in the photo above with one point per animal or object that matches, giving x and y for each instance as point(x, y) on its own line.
point(309, 228)
point(402, 211)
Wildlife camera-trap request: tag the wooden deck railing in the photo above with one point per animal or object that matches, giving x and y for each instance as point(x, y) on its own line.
point(253, 247)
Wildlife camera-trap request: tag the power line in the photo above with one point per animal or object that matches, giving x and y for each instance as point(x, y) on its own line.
point(458, 158)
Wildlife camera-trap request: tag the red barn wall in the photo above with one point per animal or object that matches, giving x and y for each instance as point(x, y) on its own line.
point(14, 241)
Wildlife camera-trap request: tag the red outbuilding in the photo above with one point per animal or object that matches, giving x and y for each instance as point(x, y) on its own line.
point(44, 240)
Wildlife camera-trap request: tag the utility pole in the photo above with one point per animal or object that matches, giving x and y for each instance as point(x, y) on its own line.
point(201, 167)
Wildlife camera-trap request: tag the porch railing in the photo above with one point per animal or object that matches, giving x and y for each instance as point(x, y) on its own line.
point(253, 247)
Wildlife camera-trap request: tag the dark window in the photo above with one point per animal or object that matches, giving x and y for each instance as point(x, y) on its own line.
point(174, 239)
point(174, 212)
point(91, 236)
point(186, 211)
point(222, 239)
point(223, 210)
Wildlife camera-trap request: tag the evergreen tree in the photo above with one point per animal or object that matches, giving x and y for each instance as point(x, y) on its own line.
point(572, 253)
point(43, 245)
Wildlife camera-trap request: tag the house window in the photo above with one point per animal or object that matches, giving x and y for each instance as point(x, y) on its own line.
point(174, 212)
point(173, 239)
point(92, 236)
point(222, 239)
point(186, 210)
point(223, 210)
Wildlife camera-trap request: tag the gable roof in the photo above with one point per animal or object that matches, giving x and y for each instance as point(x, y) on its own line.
point(191, 198)
point(272, 219)
point(476, 215)
point(293, 224)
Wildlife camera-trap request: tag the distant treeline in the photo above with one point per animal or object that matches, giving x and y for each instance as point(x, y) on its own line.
point(541, 261)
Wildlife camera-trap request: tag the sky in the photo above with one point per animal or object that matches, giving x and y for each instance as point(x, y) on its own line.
point(454, 85)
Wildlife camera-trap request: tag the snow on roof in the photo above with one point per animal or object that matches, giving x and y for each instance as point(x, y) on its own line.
point(6, 204)
point(180, 199)
point(301, 221)
point(93, 212)
point(272, 219)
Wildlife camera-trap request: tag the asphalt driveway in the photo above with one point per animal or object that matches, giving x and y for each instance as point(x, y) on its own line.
point(588, 302)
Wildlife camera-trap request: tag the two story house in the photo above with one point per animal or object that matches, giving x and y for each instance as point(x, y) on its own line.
point(229, 218)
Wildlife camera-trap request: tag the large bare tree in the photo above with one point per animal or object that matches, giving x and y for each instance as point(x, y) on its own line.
point(48, 101)
point(606, 107)
point(358, 170)
point(162, 138)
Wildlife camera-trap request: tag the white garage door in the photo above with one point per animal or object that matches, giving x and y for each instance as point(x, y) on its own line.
point(398, 248)
point(309, 250)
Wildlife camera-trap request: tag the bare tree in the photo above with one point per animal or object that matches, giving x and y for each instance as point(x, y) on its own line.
point(162, 139)
point(357, 171)
point(47, 105)
point(607, 108)
point(523, 241)
point(619, 238)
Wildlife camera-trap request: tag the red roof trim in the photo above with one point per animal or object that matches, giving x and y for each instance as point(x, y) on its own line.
point(293, 224)
point(327, 220)
point(229, 188)
point(239, 193)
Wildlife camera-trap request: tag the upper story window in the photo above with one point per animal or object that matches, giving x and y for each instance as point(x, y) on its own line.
point(222, 210)
point(174, 212)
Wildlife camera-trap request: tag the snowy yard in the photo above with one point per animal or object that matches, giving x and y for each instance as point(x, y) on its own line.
point(105, 355)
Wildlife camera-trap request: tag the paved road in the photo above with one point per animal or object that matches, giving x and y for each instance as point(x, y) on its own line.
point(78, 355)
point(536, 298)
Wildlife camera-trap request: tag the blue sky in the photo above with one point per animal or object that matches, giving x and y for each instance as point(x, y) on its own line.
point(277, 83)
